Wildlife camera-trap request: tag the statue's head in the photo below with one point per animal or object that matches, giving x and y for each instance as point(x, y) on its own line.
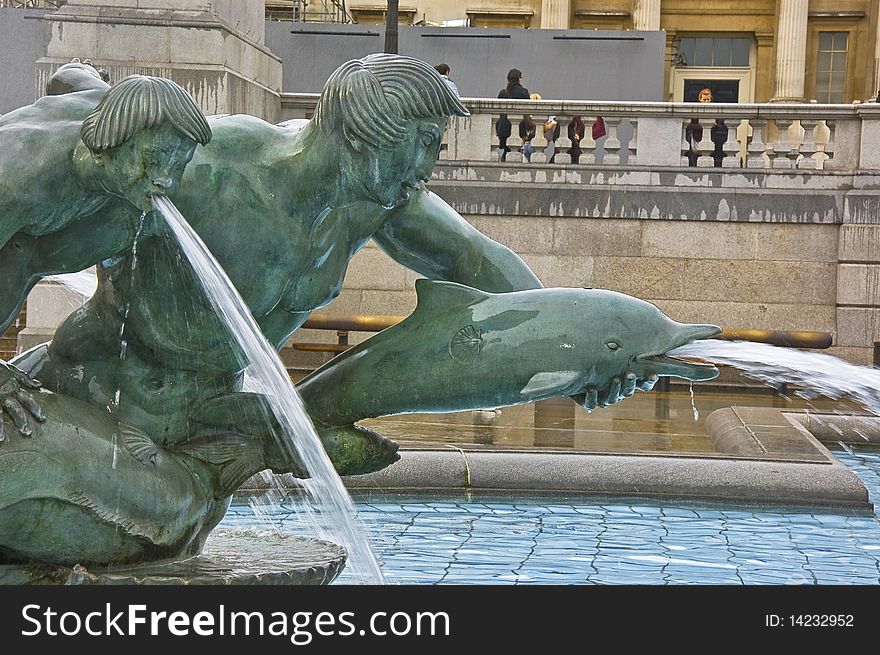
point(392, 112)
point(142, 135)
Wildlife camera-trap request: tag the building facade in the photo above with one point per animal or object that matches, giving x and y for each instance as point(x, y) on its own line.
point(746, 50)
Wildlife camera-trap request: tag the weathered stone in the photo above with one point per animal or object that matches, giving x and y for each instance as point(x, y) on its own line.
point(373, 269)
point(716, 280)
point(858, 284)
point(523, 235)
point(758, 316)
point(797, 242)
point(562, 271)
point(702, 241)
point(591, 236)
point(857, 326)
point(859, 244)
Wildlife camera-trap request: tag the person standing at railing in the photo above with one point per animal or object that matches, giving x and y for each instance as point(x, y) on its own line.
point(514, 91)
point(551, 133)
point(577, 129)
point(694, 134)
point(444, 71)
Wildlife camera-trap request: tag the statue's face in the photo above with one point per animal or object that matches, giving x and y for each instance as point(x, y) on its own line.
point(389, 177)
point(150, 163)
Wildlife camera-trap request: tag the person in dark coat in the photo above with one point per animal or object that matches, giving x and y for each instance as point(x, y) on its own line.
point(694, 134)
point(576, 131)
point(515, 91)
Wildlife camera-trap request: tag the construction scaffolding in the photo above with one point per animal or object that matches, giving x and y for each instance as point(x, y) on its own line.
point(31, 4)
point(308, 11)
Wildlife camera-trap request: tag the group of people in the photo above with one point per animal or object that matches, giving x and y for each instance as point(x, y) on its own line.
point(528, 129)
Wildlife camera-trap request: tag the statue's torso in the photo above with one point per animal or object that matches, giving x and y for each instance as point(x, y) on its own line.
point(284, 263)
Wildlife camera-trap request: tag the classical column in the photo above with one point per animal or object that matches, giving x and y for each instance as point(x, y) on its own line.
point(646, 15)
point(791, 51)
point(875, 90)
point(555, 14)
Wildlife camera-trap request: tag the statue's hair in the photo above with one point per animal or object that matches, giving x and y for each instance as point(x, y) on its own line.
point(372, 98)
point(139, 102)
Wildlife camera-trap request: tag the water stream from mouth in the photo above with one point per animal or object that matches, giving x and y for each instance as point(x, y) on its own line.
point(333, 515)
point(810, 374)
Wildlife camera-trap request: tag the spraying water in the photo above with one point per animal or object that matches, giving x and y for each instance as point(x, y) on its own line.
point(814, 374)
point(299, 441)
point(83, 283)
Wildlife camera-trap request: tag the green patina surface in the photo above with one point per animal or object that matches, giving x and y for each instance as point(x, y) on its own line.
point(129, 459)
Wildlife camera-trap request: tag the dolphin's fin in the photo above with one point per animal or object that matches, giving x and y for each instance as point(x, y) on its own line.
point(443, 296)
point(545, 383)
point(235, 457)
point(138, 444)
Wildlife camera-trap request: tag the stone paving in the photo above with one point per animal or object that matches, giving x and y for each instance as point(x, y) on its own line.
point(565, 541)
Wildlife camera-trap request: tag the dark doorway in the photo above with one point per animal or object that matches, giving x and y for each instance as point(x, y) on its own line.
point(722, 90)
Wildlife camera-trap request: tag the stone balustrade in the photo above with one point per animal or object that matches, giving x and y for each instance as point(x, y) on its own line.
point(762, 136)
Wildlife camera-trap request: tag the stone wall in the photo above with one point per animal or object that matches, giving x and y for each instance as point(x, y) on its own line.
point(769, 250)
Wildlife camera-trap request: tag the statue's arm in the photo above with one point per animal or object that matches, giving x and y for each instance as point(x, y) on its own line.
point(429, 237)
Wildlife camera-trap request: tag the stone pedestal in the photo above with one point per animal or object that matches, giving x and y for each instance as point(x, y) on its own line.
point(230, 557)
point(48, 305)
point(214, 49)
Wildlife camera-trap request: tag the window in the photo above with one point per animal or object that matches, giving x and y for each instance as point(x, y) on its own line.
point(831, 67)
point(714, 51)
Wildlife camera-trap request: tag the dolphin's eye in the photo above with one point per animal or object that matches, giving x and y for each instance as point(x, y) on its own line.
point(612, 345)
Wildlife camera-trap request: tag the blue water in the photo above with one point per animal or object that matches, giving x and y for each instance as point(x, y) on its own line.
point(508, 541)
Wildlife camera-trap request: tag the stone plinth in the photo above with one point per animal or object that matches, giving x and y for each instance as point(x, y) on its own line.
point(215, 50)
point(48, 305)
point(230, 557)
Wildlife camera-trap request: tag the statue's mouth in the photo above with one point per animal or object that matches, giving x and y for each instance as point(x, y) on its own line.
point(664, 364)
point(681, 368)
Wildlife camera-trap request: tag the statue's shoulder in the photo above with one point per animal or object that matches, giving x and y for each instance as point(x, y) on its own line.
point(242, 134)
point(52, 112)
point(244, 124)
point(74, 77)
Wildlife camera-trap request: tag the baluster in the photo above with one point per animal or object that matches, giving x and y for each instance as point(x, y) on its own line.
point(685, 143)
point(539, 143)
point(588, 145)
point(444, 146)
point(756, 145)
point(563, 143)
point(706, 147)
point(731, 146)
point(782, 148)
point(612, 142)
point(830, 146)
point(808, 145)
point(514, 143)
point(495, 153)
point(631, 149)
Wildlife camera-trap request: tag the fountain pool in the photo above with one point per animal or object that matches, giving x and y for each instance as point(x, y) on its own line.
point(565, 540)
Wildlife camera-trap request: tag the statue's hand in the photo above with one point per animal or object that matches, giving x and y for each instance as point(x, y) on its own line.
point(17, 400)
point(617, 389)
